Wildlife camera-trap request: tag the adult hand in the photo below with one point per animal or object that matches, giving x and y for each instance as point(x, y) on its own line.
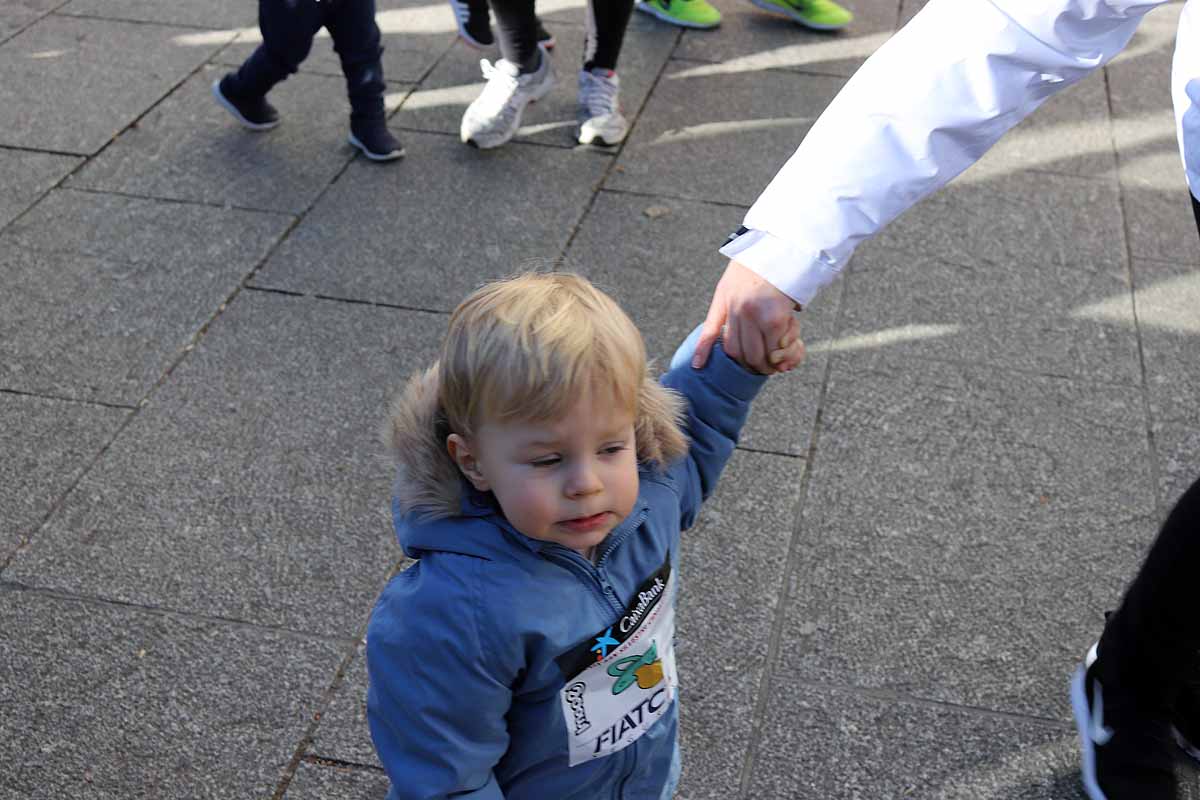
point(756, 317)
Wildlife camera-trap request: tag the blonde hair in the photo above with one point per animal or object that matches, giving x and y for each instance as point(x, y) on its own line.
point(527, 347)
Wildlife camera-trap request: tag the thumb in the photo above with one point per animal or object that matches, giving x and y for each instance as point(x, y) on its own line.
point(708, 336)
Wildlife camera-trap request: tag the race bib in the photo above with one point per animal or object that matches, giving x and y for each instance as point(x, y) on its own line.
point(623, 679)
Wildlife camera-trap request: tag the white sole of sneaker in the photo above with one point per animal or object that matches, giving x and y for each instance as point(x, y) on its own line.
point(653, 11)
point(601, 137)
point(232, 109)
point(392, 156)
point(1187, 747)
point(794, 17)
point(1083, 723)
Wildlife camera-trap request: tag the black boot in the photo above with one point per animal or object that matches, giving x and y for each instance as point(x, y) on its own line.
point(371, 135)
point(253, 112)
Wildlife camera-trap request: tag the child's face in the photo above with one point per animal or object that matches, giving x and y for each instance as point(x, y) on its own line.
point(569, 481)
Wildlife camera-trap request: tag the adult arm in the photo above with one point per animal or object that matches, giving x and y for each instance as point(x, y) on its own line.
point(920, 110)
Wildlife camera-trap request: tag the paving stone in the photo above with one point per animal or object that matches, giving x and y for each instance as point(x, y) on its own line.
point(26, 176)
point(254, 485)
point(751, 39)
point(456, 81)
point(343, 734)
point(415, 35)
point(17, 14)
point(46, 444)
point(190, 148)
point(1167, 298)
point(333, 782)
point(732, 565)
point(209, 14)
point(818, 743)
point(838, 745)
point(997, 220)
point(1158, 214)
point(663, 274)
point(102, 76)
point(141, 276)
point(964, 530)
point(1022, 316)
point(426, 232)
point(719, 137)
point(107, 701)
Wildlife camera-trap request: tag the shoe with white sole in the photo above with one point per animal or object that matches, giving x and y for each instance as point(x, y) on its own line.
point(1124, 753)
point(373, 138)
point(252, 113)
point(599, 112)
point(494, 117)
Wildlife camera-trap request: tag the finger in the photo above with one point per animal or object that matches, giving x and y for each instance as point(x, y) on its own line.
point(709, 334)
point(732, 340)
point(754, 347)
point(794, 358)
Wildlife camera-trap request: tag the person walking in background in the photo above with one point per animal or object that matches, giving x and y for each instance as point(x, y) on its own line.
point(474, 21)
point(288, 28)
point(525, 74)
point(923, 108)
point(821, 15)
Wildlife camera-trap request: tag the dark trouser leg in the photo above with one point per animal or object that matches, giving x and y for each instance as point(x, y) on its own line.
point(287, 31)
point(1151, 643)
point(607, 20)
point(517, 28)
point(356, 39)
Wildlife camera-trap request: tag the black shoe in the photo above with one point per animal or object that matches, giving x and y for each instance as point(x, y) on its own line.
point(474, 25)
point(254, 113)
point(1124, 754)
point(376, 142)
point(544, 37)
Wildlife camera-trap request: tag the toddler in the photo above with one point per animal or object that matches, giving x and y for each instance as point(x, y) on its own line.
point(544, 479)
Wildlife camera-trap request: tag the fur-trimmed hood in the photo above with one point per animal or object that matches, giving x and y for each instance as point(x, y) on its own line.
point(428, 484)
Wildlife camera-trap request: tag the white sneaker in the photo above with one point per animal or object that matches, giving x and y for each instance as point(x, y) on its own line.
point(495, 115)
point(599, 111)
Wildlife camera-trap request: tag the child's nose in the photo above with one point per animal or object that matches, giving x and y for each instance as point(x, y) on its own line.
point(584, 480)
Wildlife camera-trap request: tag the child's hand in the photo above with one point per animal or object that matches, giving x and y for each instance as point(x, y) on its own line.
point(791, 349)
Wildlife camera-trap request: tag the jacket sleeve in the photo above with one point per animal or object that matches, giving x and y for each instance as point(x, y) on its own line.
point(436, 704)
point(717, 402)
point(924, 107)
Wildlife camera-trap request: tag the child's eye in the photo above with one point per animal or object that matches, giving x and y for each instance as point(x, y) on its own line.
point(616, 448)
point(545, 462)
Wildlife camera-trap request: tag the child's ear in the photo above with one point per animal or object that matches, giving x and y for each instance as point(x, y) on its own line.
point(460, 451)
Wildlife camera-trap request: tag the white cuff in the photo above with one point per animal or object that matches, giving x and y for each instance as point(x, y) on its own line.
point(797, 271)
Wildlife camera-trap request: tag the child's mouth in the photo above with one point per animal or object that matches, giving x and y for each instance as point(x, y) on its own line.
point(586, 524)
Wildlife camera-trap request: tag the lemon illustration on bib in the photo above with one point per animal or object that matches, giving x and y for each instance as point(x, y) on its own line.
point(645, 669)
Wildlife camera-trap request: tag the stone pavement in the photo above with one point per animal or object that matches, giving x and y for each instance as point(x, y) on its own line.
point(200, 329)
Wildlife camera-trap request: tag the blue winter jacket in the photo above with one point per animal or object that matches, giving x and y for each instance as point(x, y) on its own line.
point(479, 654)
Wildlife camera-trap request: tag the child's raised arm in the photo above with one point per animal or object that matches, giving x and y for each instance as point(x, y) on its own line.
point(436, 706)
point(717, 400)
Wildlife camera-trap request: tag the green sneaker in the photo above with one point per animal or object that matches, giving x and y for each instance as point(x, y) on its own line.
point(823, 15)
point(686, 13)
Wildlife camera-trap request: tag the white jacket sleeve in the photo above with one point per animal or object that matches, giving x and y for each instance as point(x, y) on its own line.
point(923, 108)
